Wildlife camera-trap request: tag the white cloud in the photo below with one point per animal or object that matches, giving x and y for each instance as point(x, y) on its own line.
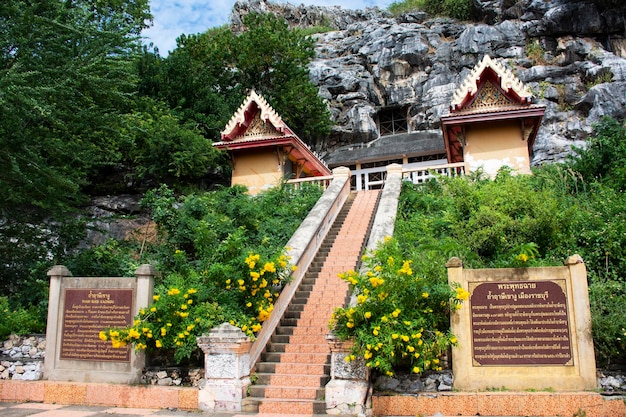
point(177, 17)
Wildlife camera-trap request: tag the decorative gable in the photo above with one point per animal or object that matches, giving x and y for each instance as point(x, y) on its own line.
point(256, 126)
point(490, 95)
point(254, 118)
point(490, 85)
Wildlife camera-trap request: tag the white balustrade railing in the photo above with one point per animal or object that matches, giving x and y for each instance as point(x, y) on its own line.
point(420, 175)
point(322, 181)
point(373, 178)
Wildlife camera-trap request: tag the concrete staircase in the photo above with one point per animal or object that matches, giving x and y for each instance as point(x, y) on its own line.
point(295, 367)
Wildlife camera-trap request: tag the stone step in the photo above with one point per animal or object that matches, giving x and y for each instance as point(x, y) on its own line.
point(317, 381)
point(284, 406)
point(281, 368)
point(291, 392)
point(296, 357)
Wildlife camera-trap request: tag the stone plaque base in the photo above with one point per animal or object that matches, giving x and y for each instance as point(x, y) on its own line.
point(527, 328)
point(78, 309)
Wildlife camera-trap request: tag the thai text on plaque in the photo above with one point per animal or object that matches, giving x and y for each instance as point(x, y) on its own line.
point(520, 323)
point(87, 312)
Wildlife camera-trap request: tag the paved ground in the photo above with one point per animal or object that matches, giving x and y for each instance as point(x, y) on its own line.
point(55, 410)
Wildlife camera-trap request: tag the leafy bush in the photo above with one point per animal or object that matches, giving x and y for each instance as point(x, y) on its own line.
point(608, 316)
point(458, 9)
point(184, 307)
point(222, 257)
point(400, 319)
point(399, 7)
point(18, 320)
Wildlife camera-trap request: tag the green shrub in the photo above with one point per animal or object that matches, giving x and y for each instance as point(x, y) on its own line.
point(608, 316)
point(222, 258)
point(399, 7)
point(400, 319)
point(19, 320)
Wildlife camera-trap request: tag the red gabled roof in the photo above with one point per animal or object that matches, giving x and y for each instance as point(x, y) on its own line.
point(256, 125)
point(489, 93)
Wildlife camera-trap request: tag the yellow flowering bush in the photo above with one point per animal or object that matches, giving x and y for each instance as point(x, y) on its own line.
point(172, 322)
point(180, 312)
point(399, 320)
point(256, 288)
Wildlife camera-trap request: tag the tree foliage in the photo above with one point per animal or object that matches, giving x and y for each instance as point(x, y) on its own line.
point(67, 79)
point(208, 75)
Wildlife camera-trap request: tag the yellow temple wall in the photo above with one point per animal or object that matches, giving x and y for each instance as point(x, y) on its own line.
point(258, 170)
point(493, 145)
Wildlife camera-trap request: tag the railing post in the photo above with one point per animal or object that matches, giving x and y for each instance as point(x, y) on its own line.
point(347, 390)
point(226, 369)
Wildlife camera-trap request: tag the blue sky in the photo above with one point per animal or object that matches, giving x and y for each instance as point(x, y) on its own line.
point(172, 18)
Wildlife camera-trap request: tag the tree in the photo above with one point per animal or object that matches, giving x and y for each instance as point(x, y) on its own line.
point(208, 75)
point(67, 77)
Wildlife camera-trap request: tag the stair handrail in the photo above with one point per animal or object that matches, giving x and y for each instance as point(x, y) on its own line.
point(301, 249)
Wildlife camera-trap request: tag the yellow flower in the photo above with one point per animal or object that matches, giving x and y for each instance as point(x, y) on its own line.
point(255, 275)
point(256, 327)
point(367, 354)
point(153, 309)
point(453, 340)
point(192, 291)
point(416, 370)
point(425, 295)
point(163, 331)
point(263, 315)
point(183, 315)
point(248, 304)
point(396, 312)
point(349, 325)
point(114, 333)
point(173, 291)
point(102, 336)
point(461, 294)
point(406, 268)
point(156, 297)
point(368, 314)
point(394, 336)
point(189, 301)
point(360, 299)
point(269, 267)
point(522, 257)
point(375, 281)
point(404, 338)
point(183, 307)
point(158, 344)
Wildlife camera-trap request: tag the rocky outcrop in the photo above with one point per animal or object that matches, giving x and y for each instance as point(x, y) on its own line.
point(572, 54)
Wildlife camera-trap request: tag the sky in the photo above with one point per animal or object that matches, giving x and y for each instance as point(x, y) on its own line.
point(172, 18)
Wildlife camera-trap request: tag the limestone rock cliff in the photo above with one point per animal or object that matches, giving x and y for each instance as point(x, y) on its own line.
point(572, 54)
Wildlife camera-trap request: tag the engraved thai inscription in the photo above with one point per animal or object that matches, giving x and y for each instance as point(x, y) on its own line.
point(520, 323)
point(87, 312)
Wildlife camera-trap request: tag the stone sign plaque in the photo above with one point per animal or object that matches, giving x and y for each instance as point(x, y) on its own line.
point(520, 323)
point(86, 313)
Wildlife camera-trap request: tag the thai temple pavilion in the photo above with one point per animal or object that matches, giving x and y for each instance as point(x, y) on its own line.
point(264, 150)
point(492, 123)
